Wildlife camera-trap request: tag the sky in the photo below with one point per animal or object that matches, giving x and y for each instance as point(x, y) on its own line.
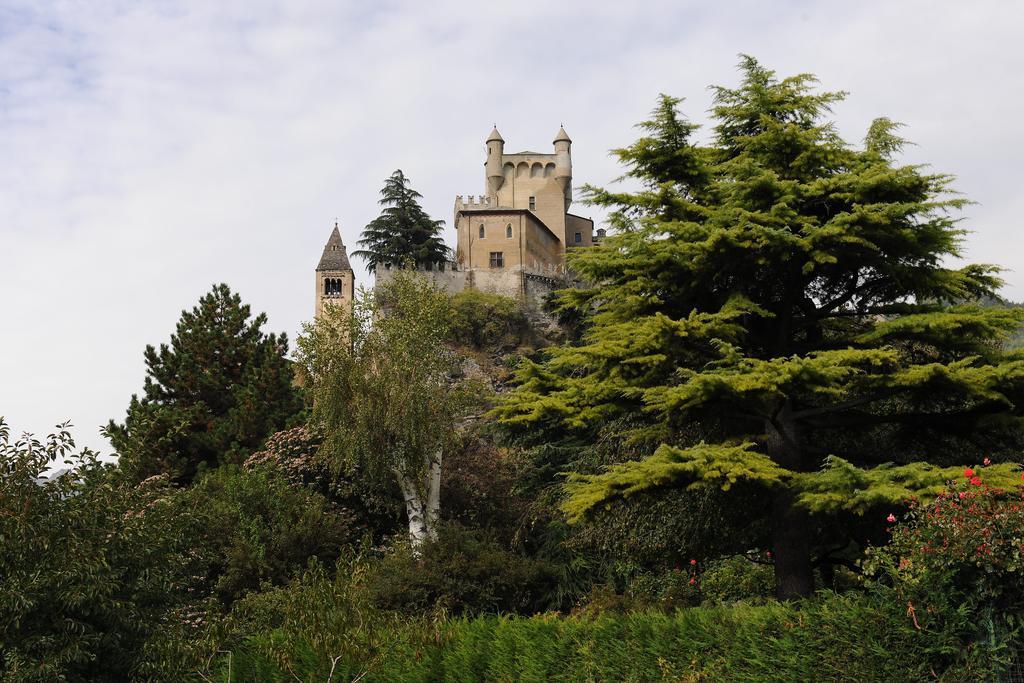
point(151, 149)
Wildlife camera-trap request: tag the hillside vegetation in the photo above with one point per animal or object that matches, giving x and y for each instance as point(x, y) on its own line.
point(772, 438)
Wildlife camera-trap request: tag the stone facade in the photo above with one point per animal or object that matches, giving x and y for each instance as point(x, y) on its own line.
point(522, 224)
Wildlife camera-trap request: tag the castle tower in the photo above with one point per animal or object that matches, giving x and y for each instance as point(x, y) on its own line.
point(563, 164)
point(335, 281)
point(495, 149)
point(519, 231)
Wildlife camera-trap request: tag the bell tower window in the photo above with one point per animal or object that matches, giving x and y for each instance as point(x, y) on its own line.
point(508, 230)
point(533, 203)
point(481, 231)
point(334, 287)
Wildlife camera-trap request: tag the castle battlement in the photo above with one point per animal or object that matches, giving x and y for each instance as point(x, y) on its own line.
point(439, 266)
point(471, 202)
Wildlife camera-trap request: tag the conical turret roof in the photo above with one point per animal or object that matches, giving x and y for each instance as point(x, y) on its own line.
point(562, 135)
point(335, 255)
point(495, 135)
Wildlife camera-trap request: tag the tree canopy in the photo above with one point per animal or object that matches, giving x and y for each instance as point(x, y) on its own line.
point(779, 307)
point(90, 562)
point(384, 389)
point(211, 396)
point(403, 232)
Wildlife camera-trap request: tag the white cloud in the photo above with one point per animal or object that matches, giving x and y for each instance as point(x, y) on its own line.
point(151, 149)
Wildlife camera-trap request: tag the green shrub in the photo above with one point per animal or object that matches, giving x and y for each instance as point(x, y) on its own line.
point(258, 529)
point(478, 487)
point(462, 572)
point(487, 321)
point(827, 638)
point(722, 581)
point(89, 564)
point(736, 578)
point(294, 454)
point(319, 624)
point(955, 565)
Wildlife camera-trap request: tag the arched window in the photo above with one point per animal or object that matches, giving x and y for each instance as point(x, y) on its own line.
point(481, 231)
point(508, 230)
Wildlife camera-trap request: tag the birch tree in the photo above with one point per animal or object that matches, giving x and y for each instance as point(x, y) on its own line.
point(384, 390)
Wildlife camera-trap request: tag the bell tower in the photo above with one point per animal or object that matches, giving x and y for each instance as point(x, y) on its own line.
point(335, 281)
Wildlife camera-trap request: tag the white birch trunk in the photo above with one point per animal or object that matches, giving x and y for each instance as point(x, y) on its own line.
point(423, 506)
point(433, 511)
point(415, 510)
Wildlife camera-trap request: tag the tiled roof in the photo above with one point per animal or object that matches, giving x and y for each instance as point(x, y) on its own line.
point(335, 256)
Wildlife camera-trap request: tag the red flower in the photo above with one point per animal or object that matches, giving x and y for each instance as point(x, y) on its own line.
point(692, 580)
point(986, 462)
point(968, 473)
point(976, 481)
point(693, 563)
point(891, 518)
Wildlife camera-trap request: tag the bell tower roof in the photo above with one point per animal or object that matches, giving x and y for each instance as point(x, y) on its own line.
point(495, 136)
point(562, 135)
point(335, 255)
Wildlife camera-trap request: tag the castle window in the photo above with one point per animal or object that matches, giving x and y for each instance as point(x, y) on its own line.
point(579, 237)
point(497, 259)
point(481, 231)
point(533, 203)
point(508, 230)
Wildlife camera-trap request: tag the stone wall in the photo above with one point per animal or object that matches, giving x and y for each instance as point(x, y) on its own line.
point(447, 276)
point(532, 289)
point(536, 289)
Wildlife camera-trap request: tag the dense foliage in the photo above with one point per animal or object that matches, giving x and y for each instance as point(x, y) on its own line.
point(461, 572)
point(403, 234)
point(384, 390)
point(776, 309)
point(771, 369)
point(211, 396)
point(486, 321)
point(257, 530)
point(958, 558)
point(89, 563)
point(830, 638)
point(293, 455)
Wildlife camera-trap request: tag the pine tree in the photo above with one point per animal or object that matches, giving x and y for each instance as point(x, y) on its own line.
point(403, 233)
point(209, 397)
point(777, 310)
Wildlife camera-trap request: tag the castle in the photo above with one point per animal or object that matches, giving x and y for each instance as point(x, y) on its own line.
point(512, 240)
